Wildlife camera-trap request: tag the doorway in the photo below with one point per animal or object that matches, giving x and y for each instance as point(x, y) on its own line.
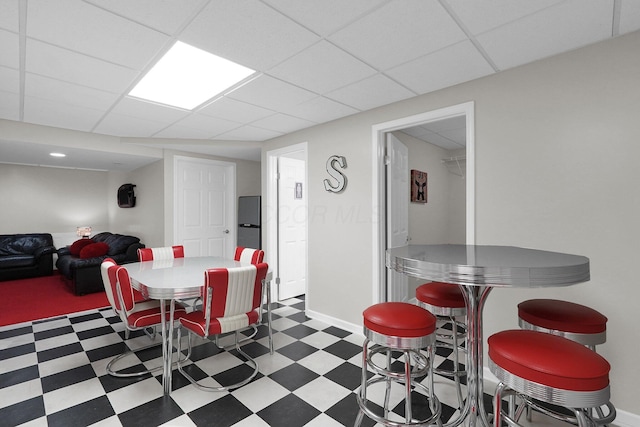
point(380, 131)
point(287, 219)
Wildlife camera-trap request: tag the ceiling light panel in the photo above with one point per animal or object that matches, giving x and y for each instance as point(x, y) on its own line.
point(186, 77)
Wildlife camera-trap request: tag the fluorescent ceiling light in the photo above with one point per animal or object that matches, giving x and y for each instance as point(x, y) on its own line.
point(186, 76)
point(57, 155)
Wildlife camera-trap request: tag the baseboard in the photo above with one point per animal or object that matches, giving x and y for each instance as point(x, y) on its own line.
point(346, 326)
point(623, 418)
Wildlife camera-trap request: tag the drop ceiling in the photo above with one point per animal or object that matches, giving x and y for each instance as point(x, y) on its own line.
point(71, 63)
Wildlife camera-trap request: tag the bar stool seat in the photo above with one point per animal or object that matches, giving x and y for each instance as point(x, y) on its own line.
point(570, 320)
point(536, 365)
point(398, 327)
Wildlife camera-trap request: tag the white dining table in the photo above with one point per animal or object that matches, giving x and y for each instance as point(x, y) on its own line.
point(170, 280)
point(478, 269)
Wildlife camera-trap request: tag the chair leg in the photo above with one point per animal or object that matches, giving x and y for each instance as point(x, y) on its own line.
point(111, 370)
point(249, 360)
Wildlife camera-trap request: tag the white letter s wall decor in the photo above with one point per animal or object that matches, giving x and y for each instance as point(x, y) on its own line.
point(332, 163)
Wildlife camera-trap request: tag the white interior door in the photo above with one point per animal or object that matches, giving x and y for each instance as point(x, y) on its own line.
point(292, 226)
point(205, 208)
point(397, 212)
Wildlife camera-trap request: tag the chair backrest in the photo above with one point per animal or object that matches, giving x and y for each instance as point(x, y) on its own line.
point(232, 295)
point(109, 285)
point(254, 256)
point(118, 288)
point(169, 252)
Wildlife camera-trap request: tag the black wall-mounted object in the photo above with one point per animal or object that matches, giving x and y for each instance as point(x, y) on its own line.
point(126, 196)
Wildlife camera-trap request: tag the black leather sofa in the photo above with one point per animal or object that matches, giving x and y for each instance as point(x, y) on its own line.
point(83, 273)
point(26, 255)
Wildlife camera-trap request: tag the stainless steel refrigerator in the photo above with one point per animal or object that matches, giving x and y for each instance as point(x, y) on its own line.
point(249, 222)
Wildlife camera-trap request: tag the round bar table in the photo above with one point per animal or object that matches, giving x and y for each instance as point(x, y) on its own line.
point(477, 269)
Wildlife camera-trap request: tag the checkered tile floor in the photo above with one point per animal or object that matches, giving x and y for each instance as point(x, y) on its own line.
point(52, 373)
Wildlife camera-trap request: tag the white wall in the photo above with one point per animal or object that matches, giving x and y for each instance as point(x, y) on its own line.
point(146, 219)
point(556, 147)
point(442, 218)
point(51, 200)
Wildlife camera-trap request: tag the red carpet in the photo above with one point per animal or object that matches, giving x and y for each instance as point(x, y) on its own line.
point(43, 297)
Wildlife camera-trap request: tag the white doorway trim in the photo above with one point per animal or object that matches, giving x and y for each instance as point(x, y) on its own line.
point(271, 211)
point(379, 189)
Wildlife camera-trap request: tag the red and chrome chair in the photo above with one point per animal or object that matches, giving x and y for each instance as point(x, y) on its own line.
point(135, 312)
point(256, 256)
point(253, 256)
point(232, 297)
point(154, 254)
point(537, 367)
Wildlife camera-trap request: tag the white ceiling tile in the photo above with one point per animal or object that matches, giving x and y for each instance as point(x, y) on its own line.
point(183, 132)
point(459, 134)
point(9, 105)
point(554, 30)
point(211, 126)
point(249, 133)
point(148, 111)
point(480, 16)
point(234, 110)
point(282, 123)
point(163, 15)
point(235, 149)
point(322, 68)
point(629, 16)
point(270, 93)
point(9, 15)
point(320, 110)
point(10, 49)
point(9, 80)
point(247, 32)
point(67, 93)
point(371, 93)
point(129, 126)
point(447, 67)
point(399, 32)
point(90, 30)
point(75, 68)
point(50, 113)
point(322, 16)
point(441, 141)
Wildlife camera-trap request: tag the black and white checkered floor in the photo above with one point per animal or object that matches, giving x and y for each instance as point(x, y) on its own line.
point(52, 373)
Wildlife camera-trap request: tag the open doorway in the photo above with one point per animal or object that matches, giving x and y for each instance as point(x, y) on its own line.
point(382, 187)
point(287, 219)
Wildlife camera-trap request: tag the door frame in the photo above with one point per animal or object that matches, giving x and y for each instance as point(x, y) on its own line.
point(271, 210)
point(379, 132)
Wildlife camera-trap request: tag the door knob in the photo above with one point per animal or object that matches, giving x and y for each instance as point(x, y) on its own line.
point(226, 231)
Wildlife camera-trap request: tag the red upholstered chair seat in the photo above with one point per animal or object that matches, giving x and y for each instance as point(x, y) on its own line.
point(196, 322)
point(147, 313)
point(441, 294)
point(399, 319)
point(562, 316)
point(549, 360)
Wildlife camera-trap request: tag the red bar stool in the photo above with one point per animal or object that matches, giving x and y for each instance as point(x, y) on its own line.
point(536, 366)
point(398, 327)
point(567, 319)
point(446, 302)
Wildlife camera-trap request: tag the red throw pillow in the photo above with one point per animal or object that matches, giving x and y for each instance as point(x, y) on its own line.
point(77, 246)
point(94, 250)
